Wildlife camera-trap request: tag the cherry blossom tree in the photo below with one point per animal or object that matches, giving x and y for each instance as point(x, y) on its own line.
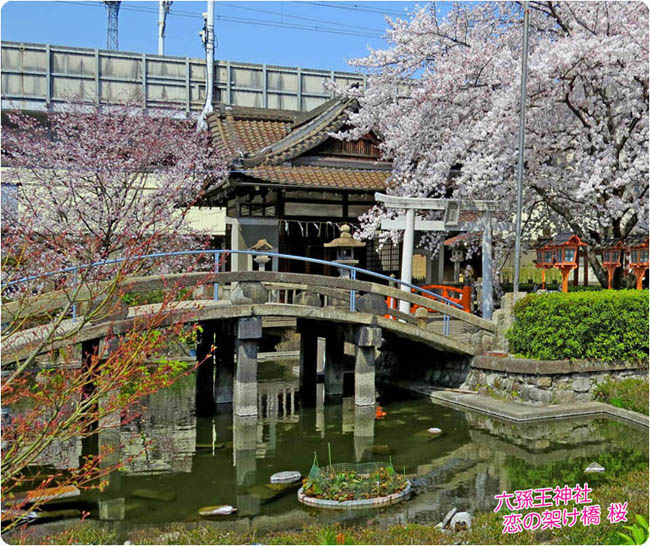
point(92, 185)
point(445, 98)
point(105, 180)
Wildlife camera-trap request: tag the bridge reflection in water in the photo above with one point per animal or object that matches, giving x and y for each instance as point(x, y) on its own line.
point(228, 459)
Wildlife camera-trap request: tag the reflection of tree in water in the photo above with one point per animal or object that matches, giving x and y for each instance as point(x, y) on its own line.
point(60, 454)
point(163, 436)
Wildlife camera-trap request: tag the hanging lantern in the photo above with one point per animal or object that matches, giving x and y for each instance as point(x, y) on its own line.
point(566, 247)
point(639, 260)
point(611, 258)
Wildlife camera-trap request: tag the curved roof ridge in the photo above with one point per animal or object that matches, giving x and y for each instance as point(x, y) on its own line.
point(308, 134)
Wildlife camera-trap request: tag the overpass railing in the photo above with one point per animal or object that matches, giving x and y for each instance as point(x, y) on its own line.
point(219, 256)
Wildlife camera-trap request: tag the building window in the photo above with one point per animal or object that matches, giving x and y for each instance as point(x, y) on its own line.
point(259, 207)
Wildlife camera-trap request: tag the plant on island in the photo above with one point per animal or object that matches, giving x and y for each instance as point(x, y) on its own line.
point(343, 482)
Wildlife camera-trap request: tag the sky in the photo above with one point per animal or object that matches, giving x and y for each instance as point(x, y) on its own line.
point(255, 32)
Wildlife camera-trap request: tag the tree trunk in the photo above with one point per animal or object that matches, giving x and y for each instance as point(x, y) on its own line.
point(599, 270)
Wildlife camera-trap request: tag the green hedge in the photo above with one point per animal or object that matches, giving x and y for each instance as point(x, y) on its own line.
point(608, 325)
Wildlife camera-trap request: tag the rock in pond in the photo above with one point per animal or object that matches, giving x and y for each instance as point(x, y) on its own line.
point(58, 514)
point(283, 486)
point(288, 476)
point(111, 509)
point(461, 521)
point(151, 494)
point(45, 495)
point(263, 493)
point(594, 467)
point(217, 510)
point(381, 449)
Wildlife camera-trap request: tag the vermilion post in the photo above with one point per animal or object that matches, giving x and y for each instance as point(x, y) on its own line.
point(466, 298)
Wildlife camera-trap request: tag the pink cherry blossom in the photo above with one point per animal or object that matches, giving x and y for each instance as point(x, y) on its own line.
point(445, 99)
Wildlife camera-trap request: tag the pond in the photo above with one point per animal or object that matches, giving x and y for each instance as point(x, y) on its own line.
point(175, 463)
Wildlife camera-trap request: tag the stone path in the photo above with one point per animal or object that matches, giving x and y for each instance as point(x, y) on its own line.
point(514, 411)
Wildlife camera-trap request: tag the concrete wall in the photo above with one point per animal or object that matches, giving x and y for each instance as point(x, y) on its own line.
point(42, 76)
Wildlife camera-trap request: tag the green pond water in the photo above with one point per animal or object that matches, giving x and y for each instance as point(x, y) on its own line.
point(183, 463)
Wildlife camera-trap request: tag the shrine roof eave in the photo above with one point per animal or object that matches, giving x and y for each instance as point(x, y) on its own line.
point(219, 196)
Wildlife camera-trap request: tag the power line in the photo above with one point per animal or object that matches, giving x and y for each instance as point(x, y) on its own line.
point(300, 18)
point(354, 7)
point(258, 22)
point(295, 26)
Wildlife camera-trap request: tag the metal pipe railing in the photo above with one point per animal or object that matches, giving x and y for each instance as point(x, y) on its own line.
point(218, 253)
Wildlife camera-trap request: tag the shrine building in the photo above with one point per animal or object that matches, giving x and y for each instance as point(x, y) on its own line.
point(293, 184)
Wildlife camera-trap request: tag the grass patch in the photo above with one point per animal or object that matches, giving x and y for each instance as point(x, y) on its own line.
point(82, 532)
point(631, 487)
point(628, 393)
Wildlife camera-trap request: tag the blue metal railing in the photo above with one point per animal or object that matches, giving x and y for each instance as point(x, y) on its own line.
point(218, 253)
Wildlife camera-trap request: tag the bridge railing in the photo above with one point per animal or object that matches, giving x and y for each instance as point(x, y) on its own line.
point(218, 262)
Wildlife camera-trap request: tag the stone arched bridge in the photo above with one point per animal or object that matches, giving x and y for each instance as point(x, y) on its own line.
point(319, 304)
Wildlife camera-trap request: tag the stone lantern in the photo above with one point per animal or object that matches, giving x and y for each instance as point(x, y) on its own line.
point(457, 256)
point(345, 245)
point(261, 260)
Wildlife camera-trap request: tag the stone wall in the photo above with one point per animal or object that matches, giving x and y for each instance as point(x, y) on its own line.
point(449, 374)
point(401, 360)
point(544, 382)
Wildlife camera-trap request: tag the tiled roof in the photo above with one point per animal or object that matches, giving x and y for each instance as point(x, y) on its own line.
point(306, 135)
point(271, 137)
point(239, 131)
point(321, 177)
point(464, 238)
point(258, 134)
point(260, 142)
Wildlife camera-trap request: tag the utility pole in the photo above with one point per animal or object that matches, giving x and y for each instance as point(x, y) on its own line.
point(522, 130)
point(163, 10)
point(113, 9)
point(207, 35)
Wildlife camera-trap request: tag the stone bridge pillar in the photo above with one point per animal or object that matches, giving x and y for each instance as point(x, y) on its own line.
point(244, 432)
point(205, 371)
point(248, 332)
point(364, 429)
point(308, 360)
point(334, 365)
point(89, 349)
point(367, 339)
point(224, 358)
point(101, 348)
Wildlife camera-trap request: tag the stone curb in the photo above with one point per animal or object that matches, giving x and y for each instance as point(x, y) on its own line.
point(520, 413)
point(355, 504)
point(548, 367)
